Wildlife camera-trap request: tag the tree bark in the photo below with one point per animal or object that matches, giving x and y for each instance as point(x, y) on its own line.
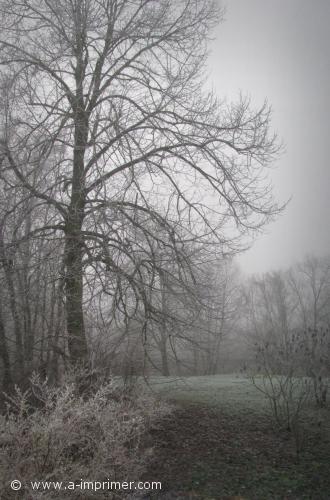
point(74, 299)
point(74, 241)
point(74, 244)
point(7, 380)
point(163, 332)
point(7, 265)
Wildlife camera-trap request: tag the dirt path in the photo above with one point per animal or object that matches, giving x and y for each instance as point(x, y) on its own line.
point(201, 453)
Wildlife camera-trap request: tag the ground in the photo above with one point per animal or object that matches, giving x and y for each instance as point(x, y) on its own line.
point(219, 443)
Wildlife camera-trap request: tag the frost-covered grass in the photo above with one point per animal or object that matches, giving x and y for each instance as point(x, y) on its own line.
point(236, 396)
point(218, 389)
point(223, 441)
point(231, 392)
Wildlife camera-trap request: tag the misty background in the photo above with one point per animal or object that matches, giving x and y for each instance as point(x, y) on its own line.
point(280, 51)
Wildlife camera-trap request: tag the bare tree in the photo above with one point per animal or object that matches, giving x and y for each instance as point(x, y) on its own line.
point(106, 116)
point(310, 285)
point(288, 322)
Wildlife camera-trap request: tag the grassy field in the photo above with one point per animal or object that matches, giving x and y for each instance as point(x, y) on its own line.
point(230, 392)
point(220, 441)
point(233, 394)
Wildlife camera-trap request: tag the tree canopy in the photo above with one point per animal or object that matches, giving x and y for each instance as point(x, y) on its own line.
point(108, 128)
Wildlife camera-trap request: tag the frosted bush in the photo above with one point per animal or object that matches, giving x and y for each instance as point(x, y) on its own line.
point(64, 436)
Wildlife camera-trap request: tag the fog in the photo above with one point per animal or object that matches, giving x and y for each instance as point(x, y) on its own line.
point(280, 51)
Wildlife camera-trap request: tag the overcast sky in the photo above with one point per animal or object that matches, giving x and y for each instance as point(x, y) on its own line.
point(280, 50)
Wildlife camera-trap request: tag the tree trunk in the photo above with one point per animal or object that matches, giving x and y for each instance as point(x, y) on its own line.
point(74, 244)
point(74, 241)
point(163, 332)
point(7, 265)
point(16, 319)
point(165, 366)
point(24, 291)
point(54, 365)
point(74, 295)
point(7, 380)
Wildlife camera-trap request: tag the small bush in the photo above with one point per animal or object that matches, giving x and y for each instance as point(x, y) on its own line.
point(287, 392)
point(69, 437)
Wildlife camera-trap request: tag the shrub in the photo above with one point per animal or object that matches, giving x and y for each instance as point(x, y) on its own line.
point(287, 392)
point(70, 437)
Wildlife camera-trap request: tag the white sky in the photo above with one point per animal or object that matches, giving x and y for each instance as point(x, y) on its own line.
point(281, 51)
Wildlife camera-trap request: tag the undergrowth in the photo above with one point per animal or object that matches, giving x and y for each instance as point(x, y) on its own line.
point(66, 434)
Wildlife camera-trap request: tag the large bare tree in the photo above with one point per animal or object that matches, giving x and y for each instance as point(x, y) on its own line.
point(107, 122)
